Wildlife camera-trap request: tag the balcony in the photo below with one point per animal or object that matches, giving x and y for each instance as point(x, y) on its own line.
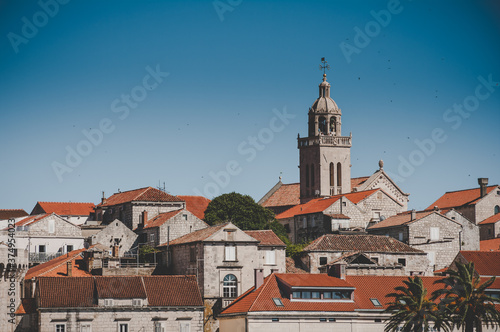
point(340, 141)
point(42, 257)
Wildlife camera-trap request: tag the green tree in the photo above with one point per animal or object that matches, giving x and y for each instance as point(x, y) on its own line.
point(244, 212)
point(412, 311)
point(464, 297)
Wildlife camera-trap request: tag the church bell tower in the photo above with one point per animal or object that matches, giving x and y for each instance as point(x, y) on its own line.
point(324, 155)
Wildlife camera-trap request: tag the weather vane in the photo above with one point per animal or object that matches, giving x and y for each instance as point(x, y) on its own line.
point(324, 65)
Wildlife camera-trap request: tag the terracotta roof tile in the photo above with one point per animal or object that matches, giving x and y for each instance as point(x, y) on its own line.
point(400, 219)
point(64, 208)
point(490, 245)
point(311, 280)
point(291, 266)
point(161, 218)
point(320, 204)
point(31, 219)
point(338, 216)
point(355, 182)
point(129, 287)
point(197, 205)
point(266, 237)
point(491, 220)
point(147, 194)
point(196, 236)
point(57, 267)
point(460, 198)
point(178, 290)
point(66, 292)
point(486, 263)
point(359, 242)
point(286, 195)
point(12, 213)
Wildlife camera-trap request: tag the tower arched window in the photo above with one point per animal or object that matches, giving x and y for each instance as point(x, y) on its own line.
point(339, 175)
point(497, 209)
point(307, 175)
point(229, 286)
point(332, 177)
point(333, 126)
point(312, 175)
point(322, 124)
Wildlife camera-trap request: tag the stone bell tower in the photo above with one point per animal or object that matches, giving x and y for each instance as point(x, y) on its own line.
point(324, 155)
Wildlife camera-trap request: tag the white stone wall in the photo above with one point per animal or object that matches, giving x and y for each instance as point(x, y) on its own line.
point(115, 230)
point(108, 319)
point(486, 206)
point(470, 231)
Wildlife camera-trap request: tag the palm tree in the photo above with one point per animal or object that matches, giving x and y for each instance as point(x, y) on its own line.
point(412, 310)
point(464, 297)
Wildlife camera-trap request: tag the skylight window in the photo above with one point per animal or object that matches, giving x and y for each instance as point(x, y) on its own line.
point(278, 302)
point(376, 302)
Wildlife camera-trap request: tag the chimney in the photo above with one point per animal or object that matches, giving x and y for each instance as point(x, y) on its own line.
point(144, 218)
point(483, 183)
point(103, 199)
point(259, 277)
point(413, 214)
point(337, 270)
point(436, 208)
point(69, 267)
point(116, 251)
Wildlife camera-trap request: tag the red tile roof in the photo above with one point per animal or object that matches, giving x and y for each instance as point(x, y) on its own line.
point(196, 205)
point(320, 204)
point(486, 263)
point(312, 280)
point(147, 194)
point(291, 266)
point(178, 290)
point(196, 236)
point(64, 208)
point(287, 194)
point(12, 213)
point(31, 219)
point(491, 220)
point(460, 198)
point(27, 306)
point(161, 218)
point(400, 219)
point(124, 287)
point(57, 267)
point(338, 216)
point(359, 242)
point(490, 245)
point(266, 238)
point(355, 182)
point(84, 292)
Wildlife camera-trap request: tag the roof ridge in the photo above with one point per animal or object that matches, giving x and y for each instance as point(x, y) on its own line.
point(66, 202)
point(476, 188)
point(262, 287)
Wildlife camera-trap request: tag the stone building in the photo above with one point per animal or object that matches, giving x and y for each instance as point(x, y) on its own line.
point(364, 255)
point(13, 267)
point(168, 226)
point(352, 211)
point(115, 235)
point(469, 235)
point(225, 260)
point(46, 236)
point(281, 197)
point(196, 205)
point(317, 303)
point(439, 236)
point(110, 304)
point(127, 206)
point(490, 227)
point(76, 213)
point(475, 204)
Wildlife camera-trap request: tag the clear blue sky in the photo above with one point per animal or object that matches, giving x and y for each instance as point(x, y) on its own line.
point(228, 68)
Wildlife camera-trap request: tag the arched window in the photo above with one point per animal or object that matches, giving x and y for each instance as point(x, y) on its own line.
point(322, 125)
point(229, 286)
point(333, 127)
point(312, 175)
point(307, 175)
point(332, 177)
point(339, 175)
point(497, 209)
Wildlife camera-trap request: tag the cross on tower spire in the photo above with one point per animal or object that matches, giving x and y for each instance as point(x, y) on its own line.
point(324, 66)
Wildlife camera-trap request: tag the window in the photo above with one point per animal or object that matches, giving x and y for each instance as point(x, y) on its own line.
point(271, 257)
point(341, 295)
point(339, 175)
point(52, 226)
point(322, 261)
point(230, 253)
point(69, 248)
point(123, 327)
point(159, 327)
point(151, 238)
point(296, 295)
point(229, 286)
point(431, 256)
point(376, 302)
point(278, 302)
point(60, 327)
point(137, 302)
point(306, 295)
point(332, 178)
point(41, 248)
point(315, 295)
point(275, 319)
point(376, 215)
point(322, 319)
point(85, 327)
point(434, 233)
point(497, 208)
point(375, 259)
point(327, 295)
point(184, 326)
point(108, 302)
point(402, 261)
point(185, 216)
point(400, 236)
